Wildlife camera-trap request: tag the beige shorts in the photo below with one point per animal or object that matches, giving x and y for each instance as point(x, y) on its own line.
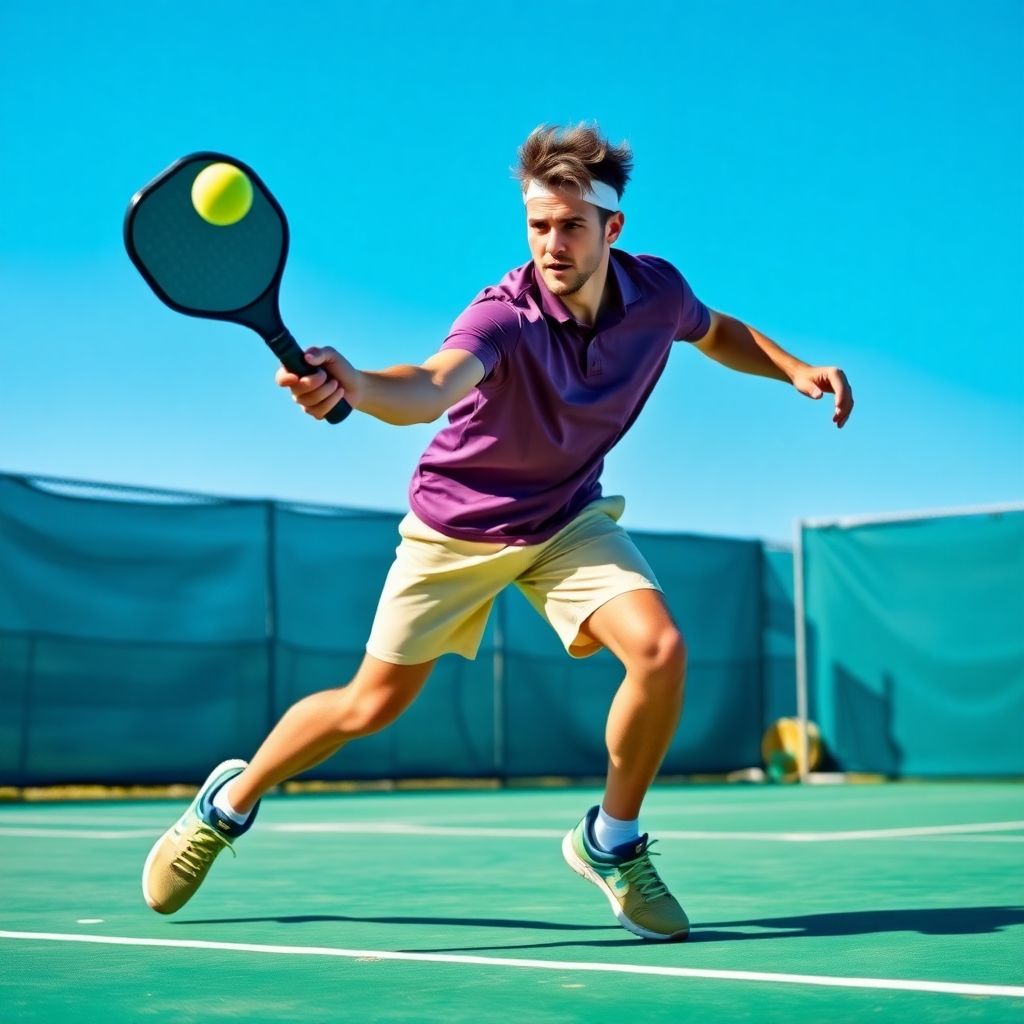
point(439, 591)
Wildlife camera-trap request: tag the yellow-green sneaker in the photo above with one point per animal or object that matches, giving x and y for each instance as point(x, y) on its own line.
point(182, 856)
point(638, 897)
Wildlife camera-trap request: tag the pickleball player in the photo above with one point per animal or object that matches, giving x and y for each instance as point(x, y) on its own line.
point(540, 377)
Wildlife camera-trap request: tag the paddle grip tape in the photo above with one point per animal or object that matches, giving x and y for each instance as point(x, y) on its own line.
point(286, 348)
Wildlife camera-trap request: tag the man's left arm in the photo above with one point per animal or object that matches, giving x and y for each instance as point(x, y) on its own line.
point(740, 347)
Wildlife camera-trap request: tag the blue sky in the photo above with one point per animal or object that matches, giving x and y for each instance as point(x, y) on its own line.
point(845, 177)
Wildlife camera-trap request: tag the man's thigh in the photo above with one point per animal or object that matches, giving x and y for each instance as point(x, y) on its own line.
point(438, 595)
point(583, 568)
point(635, 626)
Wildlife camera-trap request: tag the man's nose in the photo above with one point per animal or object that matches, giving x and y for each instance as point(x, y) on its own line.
point(556, 242)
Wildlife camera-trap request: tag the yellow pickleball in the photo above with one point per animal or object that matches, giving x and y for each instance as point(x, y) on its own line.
point(222, 194)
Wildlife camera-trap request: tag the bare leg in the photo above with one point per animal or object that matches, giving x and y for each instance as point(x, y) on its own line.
point(317, 726)
point(638, 629)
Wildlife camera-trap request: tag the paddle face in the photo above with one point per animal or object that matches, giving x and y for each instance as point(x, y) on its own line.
point(230, 272)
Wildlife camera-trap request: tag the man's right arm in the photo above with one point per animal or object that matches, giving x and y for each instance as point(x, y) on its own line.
point(400, 394)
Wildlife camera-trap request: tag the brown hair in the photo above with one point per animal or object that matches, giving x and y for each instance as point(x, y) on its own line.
point(573, 157)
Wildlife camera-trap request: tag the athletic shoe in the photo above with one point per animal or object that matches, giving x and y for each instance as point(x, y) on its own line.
point(178, 863)
point(638, 897)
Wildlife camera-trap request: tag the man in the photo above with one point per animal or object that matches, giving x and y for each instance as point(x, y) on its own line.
point(541, 375)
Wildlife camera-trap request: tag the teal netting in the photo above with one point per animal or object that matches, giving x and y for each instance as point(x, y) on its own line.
point(778, 663)
point(915, 644)
point(144, 635)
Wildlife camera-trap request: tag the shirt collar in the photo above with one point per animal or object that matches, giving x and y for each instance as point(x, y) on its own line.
point(627, 286)
point(627, 294)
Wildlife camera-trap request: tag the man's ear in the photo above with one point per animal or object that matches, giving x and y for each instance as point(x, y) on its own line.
point(613, 228)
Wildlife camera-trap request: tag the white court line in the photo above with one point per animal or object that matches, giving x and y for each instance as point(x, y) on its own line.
point(894, 984)
point(90, 820)
point(766, 803)
point(400, 828)
point(79, 833)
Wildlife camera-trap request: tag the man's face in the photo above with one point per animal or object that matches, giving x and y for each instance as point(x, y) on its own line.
point(567, 241)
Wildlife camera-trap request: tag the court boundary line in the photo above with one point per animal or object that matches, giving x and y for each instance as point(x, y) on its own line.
point(399, 828)
point(402, 828)
point(771, 977)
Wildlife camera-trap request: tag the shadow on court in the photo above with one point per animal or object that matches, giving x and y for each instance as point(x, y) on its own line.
point(956, 921)
point(471, 922)
point(944, 921)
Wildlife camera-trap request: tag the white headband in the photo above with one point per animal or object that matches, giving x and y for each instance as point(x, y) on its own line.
point(600, 194)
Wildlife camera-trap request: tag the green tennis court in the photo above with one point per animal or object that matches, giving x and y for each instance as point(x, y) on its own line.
point(846, 903)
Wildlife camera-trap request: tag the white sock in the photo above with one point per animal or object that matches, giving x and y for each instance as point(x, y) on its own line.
point(611, 832)
point(223, 804)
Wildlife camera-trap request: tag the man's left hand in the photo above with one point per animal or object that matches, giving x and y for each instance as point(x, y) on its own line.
point(815, 381)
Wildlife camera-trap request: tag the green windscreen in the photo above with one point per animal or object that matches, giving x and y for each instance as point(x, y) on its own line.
point(144, 637)
point(915, 644)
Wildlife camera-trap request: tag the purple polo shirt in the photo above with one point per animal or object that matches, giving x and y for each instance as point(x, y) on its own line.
point(522, 453)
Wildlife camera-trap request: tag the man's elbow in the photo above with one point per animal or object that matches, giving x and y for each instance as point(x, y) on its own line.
point(427, 412)
point(430, 416)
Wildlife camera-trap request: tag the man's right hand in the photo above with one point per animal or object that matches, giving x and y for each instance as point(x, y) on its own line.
point(399, 395)
point(319, 391)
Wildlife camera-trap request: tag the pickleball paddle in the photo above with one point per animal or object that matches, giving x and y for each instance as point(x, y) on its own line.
point(214, 270)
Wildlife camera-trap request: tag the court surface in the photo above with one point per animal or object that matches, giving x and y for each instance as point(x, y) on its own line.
point(835, 903)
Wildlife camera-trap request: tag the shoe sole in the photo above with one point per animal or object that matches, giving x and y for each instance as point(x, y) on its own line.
point(585, 871)
point(212, 777)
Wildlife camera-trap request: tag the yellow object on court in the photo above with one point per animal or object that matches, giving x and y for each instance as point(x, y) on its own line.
point(782, 749)
point(222, 194)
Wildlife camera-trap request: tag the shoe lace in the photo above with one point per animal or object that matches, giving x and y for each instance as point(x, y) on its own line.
point(643, 876)
point(199, 852)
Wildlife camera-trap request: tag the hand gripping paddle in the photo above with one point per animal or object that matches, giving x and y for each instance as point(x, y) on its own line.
point(231, 272)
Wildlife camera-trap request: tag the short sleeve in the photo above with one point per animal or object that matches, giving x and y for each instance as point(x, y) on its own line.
point(490, 329)
point(694, 316)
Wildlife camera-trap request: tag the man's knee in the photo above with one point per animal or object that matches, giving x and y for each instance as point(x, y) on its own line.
point(377, 696)
point(659, 654)
point(362, 714)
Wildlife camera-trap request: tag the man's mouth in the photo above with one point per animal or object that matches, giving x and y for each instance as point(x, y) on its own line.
point(559, 267)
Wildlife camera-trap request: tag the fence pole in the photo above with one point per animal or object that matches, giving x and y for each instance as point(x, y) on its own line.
point(498, 685)
point(801, 647)
point(271, 613)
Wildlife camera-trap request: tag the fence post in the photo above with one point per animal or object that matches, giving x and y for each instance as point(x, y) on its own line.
point(271, 613)
point(498, 685)
point(800, 629)
point(21, 777)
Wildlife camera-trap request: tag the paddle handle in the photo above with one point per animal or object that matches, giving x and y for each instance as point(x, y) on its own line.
point(286, 348)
